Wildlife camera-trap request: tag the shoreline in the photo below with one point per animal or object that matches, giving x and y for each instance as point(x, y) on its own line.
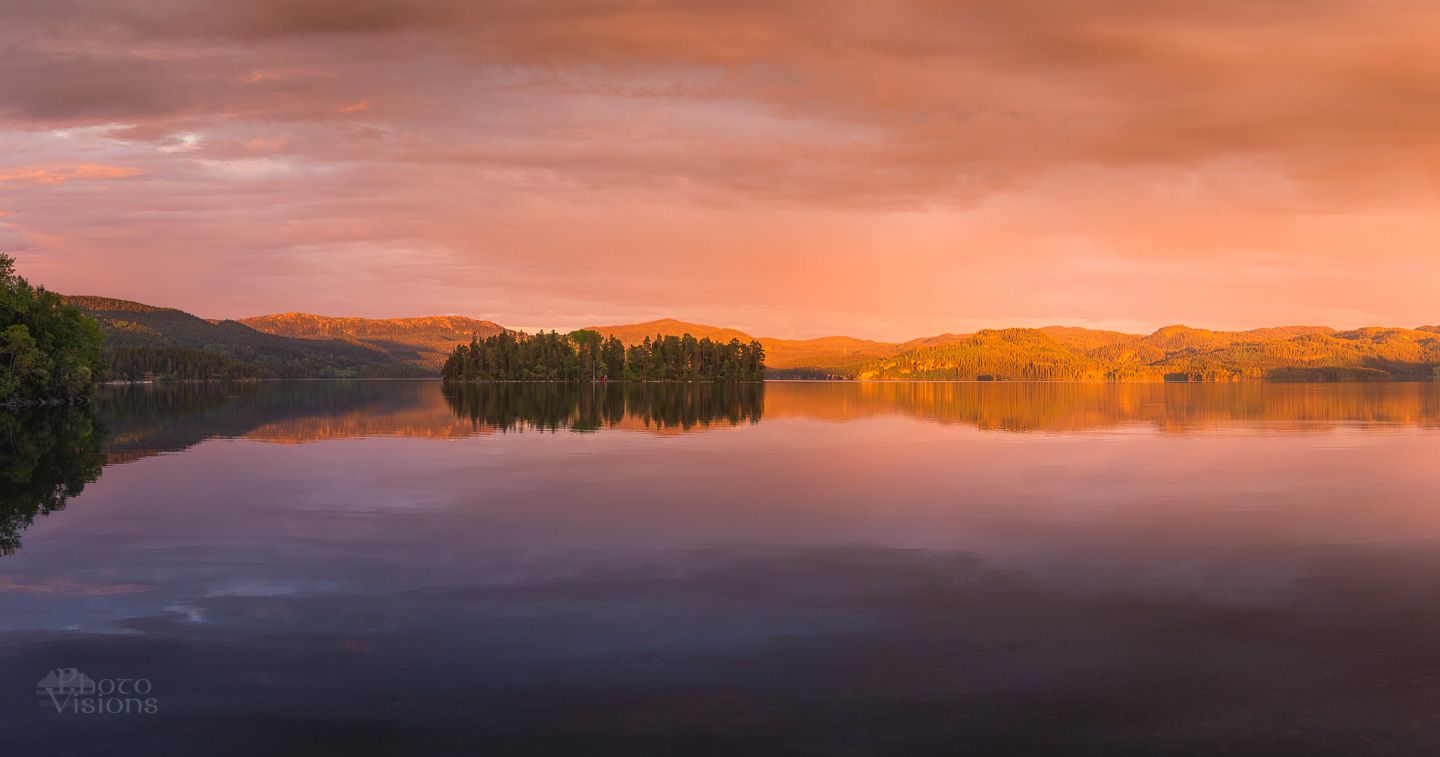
point(777, 381)
point(31, 404)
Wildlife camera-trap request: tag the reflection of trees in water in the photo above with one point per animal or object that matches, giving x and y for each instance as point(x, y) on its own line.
point(48, 456)
point(587, 407)
point(144, 403)
point(145, 419)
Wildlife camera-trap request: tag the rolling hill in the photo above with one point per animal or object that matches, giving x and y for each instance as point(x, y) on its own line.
point(419, 341)
point(1076, 338)
point(305, 345)
point(818, 356)
point(1172, 353)
point(635, 333)
point(990, 354)
point(142, 338)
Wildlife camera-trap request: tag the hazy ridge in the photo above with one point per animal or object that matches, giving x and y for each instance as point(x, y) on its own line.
point(142, 338)
point(424, 341)
point(294, 344)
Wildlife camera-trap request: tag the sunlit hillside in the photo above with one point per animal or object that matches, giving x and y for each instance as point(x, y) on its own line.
point(1174, 353)
point(820, 354)
point(1080, 339)
point(635, 333)
point(420, 341)
point(1004, 354)
point(823, 354)
point(144, 339)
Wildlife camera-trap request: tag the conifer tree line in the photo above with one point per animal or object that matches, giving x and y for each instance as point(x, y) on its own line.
point(179, 363)
point(585, 355)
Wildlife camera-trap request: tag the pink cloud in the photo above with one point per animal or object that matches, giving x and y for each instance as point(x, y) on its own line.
point(884, 170)
point(49, 175)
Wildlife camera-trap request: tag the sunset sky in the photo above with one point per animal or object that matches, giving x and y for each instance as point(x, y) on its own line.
point(880, 169)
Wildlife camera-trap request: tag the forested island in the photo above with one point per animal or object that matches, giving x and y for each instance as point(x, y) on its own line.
point(49, 350)
point(585, 355)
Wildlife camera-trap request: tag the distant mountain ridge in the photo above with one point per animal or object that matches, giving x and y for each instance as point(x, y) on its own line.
point(1171, 353)
point(424, 341)
point(780, 354)
point(635, 333)
point(1072, 353)
point(302, 344)
point(142, 339)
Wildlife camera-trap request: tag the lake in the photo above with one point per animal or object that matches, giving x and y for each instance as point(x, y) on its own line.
point(797, 568)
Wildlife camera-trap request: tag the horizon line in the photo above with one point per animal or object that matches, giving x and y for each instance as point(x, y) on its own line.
point(530, 329)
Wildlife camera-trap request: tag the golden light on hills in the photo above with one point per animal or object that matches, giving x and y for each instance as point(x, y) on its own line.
point(1052, 353)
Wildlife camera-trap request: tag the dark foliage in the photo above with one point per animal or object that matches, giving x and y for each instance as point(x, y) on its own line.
point(48, 350)
point(580, 407)
point(585, 356)
point(181, 363)
point(186, 346)
point(46, 457)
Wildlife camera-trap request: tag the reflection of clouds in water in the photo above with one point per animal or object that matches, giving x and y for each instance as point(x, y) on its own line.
point(66, 585)
point(268, 589)
point(1082, 510)
point(933, 581)
point(906, 648)
point(189, 612)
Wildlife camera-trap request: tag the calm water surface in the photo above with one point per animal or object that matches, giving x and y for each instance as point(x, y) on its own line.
point(385, 567)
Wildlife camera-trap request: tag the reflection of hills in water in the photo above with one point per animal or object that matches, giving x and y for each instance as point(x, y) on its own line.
point(50, 456)
point(147, 419)
point(1038, 406)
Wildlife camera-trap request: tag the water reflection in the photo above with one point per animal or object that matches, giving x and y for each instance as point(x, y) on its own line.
point(590, 407)
point(377, 567)
point(1024, 406)
point(53, 455)
point(148, 419)
point(48, 457)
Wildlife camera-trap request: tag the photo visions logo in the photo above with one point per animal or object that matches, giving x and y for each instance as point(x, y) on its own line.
point(69, 692)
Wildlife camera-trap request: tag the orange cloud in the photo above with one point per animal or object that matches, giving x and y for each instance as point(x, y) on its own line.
point(50, 175)
point(882, 169)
